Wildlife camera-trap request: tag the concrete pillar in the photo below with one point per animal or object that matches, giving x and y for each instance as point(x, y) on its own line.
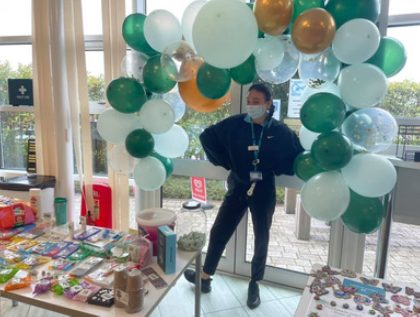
point(303, 221)
point(290, 200)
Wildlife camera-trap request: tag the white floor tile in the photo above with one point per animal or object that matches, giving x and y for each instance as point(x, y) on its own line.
point(237, 312)
point(291, 303)
point(220, 298)
point(280, 292)
point(269, 309)
point(239, 287)
point(8, 310)
point(179, 300)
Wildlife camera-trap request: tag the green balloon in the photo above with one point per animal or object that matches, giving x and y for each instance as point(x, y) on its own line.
point(346, 10)
point(155, 78)
point(244, 73)
point(363, 215)
point(167, 162)
point(126, 95)
point(323, 112)
point(139, 143)
point(305, 166)
point(300, 6)
point(390, 56)
point(133, 33)
point(212, 82)
point(260, 33)
point(332, 150)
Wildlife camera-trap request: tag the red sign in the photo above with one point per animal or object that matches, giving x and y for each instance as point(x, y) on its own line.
point(198, 188)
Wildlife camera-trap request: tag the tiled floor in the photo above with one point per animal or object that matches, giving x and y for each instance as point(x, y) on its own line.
point(228, 298)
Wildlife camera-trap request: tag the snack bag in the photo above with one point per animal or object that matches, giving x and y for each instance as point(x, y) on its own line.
point(18, 282)
point(16, 215)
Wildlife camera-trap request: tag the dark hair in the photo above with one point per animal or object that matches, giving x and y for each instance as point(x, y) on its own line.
point(268, 94)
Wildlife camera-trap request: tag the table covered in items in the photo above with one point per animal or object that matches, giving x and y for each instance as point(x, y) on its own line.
point(334, 292)
point(29, 256)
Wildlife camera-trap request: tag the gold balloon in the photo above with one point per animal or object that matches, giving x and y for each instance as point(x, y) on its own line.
point(189, 92)
point(273, 16)
point(313, 31)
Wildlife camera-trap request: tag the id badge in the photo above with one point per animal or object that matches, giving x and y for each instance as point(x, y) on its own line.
point(253, 148)
point(255, 176)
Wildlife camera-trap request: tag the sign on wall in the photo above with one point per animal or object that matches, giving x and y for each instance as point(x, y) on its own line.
point(198, 188)
point(295, 92)
point(20, 92)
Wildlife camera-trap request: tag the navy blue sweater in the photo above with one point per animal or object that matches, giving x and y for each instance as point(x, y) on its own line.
point(226, 144)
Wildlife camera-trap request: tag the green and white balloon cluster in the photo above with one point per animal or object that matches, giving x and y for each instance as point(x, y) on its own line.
point(343, 126)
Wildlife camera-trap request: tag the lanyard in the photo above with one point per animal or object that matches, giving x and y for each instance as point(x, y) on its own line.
point(257, 152)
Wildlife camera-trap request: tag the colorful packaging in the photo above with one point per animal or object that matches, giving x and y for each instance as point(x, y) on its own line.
point(167, 249)
point(15, 215)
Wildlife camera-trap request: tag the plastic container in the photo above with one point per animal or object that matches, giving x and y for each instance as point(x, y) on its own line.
point(191, 227)
point(35, 201)
point(149, 220)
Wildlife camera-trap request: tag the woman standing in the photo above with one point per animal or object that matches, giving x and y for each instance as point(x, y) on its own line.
point(254, 147)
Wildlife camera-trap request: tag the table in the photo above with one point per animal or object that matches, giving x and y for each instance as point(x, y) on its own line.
point(307, 303)
point(63, 305)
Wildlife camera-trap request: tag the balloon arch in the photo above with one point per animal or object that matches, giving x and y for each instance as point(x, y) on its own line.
point(339, 54)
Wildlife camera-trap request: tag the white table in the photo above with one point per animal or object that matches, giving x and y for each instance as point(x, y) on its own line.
point(63, 305)
point(307, 303)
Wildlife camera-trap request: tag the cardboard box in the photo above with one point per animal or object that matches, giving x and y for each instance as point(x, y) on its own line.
point(167, 249)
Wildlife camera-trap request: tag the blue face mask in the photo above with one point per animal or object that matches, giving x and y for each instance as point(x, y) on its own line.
point(255, 112)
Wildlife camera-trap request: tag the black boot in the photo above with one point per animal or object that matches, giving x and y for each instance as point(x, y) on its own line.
point(205, 283)
point(253, 295)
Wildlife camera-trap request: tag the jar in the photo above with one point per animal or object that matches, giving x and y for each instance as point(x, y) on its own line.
point(191, 224)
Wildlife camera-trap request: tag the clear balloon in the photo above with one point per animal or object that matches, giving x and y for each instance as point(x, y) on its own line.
point(120, 161)
point(362, 85)
point(260, 43)
point(356, 41)
point(180, 62)
point(371, 129)
point(270, 54)
point(157, 116)
point(173, 143)
point(114, 126)
point(188, 19)
point(325, 196)
point(308, 91)
point(225, 33)
point(149, 174)
point(287, 68)
point(307, 137)
point(132, 65)
point(174, 99)
point(161, 28)
point(370, 175)
point(319, 71)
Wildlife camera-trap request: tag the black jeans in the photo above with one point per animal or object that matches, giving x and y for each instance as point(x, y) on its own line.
point(261, 204)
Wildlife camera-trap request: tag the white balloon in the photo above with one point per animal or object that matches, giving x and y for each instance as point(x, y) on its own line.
point(307, 137)
point(356, 41)
point(370, 175)
point(114, 126)
point(225, 33)
point(308, 91)
point(161, 28)
point(173, 143)
point(188, 19)
point(325, 196)
point(157, 116)
point(362, 85)
point(174, 99)
point(259, 44)
point(120, 161)
point(132, 65)
point(270, 55)
point(149, 173)
point(287, 68)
